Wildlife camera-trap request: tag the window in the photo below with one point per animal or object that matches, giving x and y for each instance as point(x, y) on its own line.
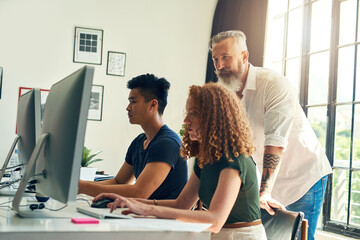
point(316, 44)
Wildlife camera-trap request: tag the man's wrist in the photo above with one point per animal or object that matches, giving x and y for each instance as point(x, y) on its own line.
point(264, 189)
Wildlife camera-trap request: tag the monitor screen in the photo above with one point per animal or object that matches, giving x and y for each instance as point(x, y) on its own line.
point(28, 125)
point(58, 152)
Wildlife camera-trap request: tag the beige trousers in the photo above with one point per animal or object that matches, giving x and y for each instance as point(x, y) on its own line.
point(245, 233)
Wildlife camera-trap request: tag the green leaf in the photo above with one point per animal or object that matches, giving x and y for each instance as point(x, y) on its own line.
point(88, 157)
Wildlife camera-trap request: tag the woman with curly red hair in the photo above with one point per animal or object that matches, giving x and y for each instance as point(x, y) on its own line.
point(218, 135)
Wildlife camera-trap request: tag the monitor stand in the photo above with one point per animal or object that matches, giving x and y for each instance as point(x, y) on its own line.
point(25, 211)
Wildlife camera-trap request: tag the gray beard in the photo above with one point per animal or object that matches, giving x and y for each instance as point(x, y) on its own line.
point(231, 82)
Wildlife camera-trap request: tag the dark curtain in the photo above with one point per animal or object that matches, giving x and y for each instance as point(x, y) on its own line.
point(248, 16)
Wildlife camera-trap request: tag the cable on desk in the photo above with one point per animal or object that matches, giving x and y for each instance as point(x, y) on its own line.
point(5, 208)
point(5, 203)
point(51, 209)
point(9, 183)
point(19, 165)
point(41, 206)
point(34, 206)
point(84, 199)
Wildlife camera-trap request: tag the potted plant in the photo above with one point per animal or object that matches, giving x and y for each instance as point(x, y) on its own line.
point(88, 173)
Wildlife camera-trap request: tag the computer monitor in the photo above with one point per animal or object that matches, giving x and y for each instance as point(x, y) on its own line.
point(58, 153)
point(28, 124)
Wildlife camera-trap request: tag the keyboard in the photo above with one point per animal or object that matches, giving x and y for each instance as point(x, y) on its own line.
point(102, 213)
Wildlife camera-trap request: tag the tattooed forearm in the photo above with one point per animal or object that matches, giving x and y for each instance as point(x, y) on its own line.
point(271, 161)
point(270, 166)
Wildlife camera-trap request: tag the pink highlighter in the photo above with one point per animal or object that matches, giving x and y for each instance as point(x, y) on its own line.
point(85, 220)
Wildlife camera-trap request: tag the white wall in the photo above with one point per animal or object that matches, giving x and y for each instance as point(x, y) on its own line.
point(165, 37)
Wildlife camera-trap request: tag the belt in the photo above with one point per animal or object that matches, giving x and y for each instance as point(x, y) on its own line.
point(242, 224)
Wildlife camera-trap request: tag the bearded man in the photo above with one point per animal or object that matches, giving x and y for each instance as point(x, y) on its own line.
point(291, 161)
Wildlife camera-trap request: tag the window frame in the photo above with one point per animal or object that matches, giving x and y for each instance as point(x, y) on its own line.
point(331, 225)
point(331, 105)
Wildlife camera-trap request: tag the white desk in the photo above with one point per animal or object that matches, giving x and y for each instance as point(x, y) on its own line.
point(14, 227)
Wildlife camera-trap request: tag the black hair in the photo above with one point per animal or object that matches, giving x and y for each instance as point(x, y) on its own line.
point(151, 87)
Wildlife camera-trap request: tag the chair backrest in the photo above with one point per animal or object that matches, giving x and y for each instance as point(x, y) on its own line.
point(304, 229)
point(284, 225)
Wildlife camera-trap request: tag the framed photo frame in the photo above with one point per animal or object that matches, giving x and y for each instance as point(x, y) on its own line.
point(1, 77)
point(116, 63)
point(96, 103)
point(88, 45)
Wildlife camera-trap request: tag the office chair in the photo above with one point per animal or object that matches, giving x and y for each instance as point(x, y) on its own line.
point(284, 225)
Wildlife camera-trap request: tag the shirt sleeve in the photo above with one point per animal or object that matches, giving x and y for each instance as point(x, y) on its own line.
point(280, 104)
point(164, 150)
point(128, 157)
point(244, 164)
point(234, 163)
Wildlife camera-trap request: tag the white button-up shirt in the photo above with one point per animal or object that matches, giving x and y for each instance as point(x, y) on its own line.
point(277, 119)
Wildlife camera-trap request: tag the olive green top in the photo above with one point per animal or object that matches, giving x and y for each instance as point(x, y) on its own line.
point(247, 205)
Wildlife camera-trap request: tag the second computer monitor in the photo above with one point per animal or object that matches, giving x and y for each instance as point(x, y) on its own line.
point(28, 124)
point(59, 151)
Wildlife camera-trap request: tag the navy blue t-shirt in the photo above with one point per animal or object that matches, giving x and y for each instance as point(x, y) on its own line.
point(164, 147)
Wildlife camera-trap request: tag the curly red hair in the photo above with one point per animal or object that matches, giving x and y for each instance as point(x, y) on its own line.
point(224, 126)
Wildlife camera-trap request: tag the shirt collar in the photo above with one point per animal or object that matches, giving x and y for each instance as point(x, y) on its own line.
point(251, 78)
point(250, 83)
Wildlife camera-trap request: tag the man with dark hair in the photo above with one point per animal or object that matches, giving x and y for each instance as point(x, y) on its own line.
point(152, 89)
point(153, 158)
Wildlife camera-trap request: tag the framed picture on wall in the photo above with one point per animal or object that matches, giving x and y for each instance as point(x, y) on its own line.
point(88, 45)
point(1, 77)
point(96, 103)
point(116, 63)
